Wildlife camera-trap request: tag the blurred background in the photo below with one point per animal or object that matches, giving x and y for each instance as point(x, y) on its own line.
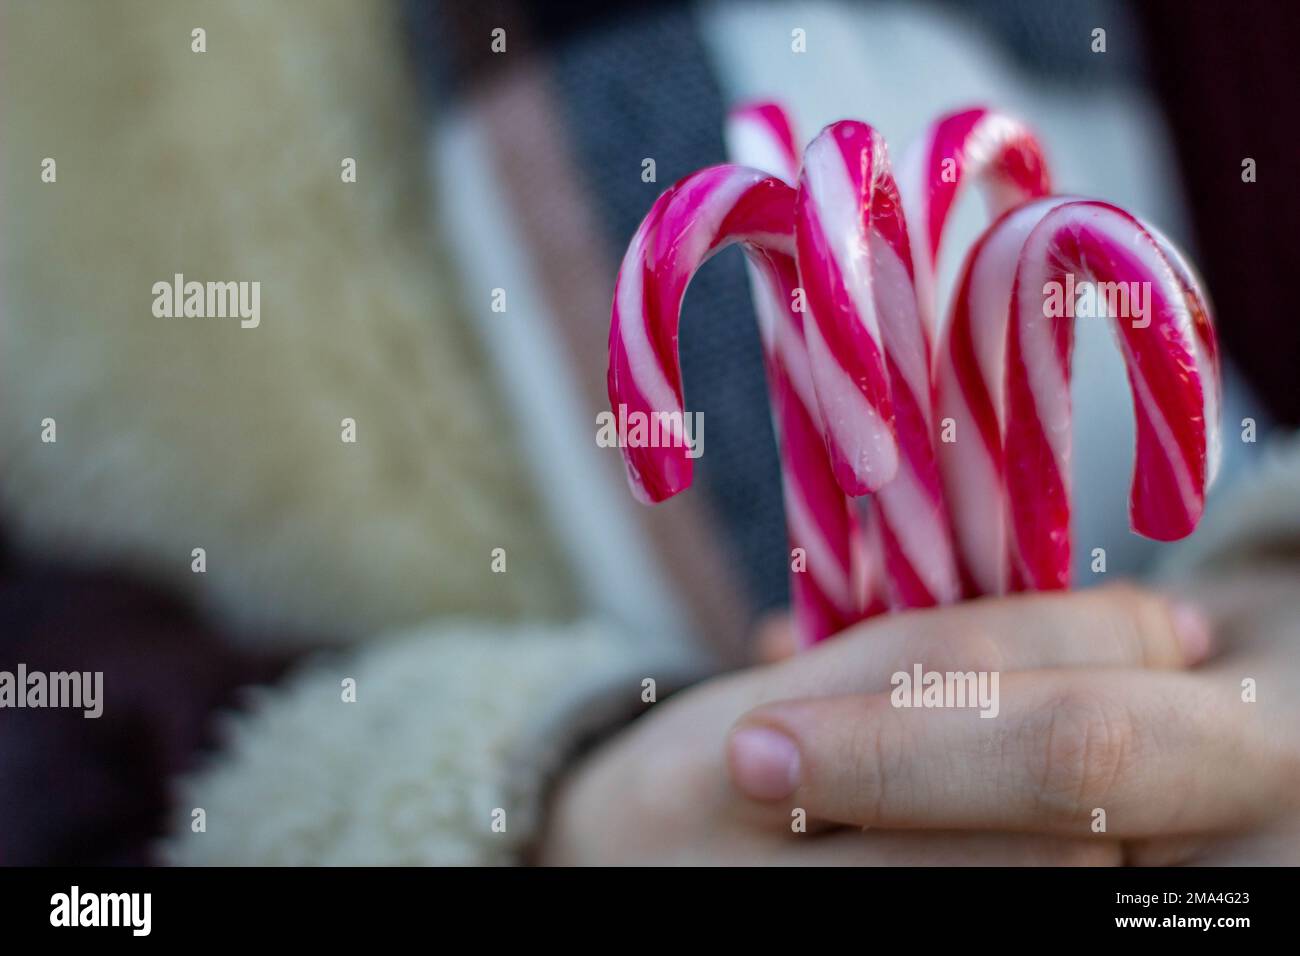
point(481, 170)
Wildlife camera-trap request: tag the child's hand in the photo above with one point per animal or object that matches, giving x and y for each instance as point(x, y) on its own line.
point(676, 788)
point(1184, 768)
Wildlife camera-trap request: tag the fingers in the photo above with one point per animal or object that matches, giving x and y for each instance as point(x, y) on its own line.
point(852, 847)
point(935, 848)
point(1120, 626)
point(774, 638)
point(844, 846)
point(1155, 753)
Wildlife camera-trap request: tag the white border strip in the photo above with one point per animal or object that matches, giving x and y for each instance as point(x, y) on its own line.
point(587, 507)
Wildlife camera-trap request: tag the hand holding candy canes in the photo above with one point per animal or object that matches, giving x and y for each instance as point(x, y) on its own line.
point(989, 512)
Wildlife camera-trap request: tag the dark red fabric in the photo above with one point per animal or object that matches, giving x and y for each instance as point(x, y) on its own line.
point(95, 791)
point(1228, 75)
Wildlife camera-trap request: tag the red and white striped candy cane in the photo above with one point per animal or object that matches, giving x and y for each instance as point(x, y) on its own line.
point(692, 221)
point(1173, 371)
point(761, 135)
point(977, 146)
point(1010, 361)
point(846, 218)
point(870, 355)
point(1000, 155)
point(970, 365)
point(822, 520)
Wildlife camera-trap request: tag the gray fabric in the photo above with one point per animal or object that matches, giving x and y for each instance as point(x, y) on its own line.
point(643, 87)
point(635, 85)
point(1052, 39)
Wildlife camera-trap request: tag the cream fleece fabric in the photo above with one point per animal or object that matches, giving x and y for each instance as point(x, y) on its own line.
point(455, 728)
point(180, 433)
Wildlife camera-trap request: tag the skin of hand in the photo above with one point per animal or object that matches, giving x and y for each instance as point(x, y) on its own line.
point(1102, 704)
point(1190, 765)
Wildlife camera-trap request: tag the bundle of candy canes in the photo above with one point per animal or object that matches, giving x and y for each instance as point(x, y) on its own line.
point(957, 433)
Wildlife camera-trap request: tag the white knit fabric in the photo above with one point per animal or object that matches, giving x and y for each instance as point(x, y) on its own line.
point(450, 724)
point(1258, 517)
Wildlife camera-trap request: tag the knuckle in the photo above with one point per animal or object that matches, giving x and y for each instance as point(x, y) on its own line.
point(1142, 628)
point(878, 758)
point(1153, 630)
point(981, 651)
point(975, 650)
point(1081, 746)
point(915, 650)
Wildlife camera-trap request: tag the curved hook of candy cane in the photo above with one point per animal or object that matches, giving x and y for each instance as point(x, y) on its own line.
point(1011, 337)
point(761, 134)
point(1161, 334)
point(870, 356)
point(689, 223)
point(977, 146)
point(1207, 348)
point(841, 583)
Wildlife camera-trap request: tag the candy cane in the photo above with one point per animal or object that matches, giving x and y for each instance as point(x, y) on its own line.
point(972, 146)
point(856, 370)
point(870, 355)
point(969, 369)
point(838, 230)
point(1010, 370)
point(692, 221)
point(761, 135)
point(1000, 155)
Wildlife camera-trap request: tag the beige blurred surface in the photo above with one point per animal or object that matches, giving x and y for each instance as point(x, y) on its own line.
point(176, 433)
